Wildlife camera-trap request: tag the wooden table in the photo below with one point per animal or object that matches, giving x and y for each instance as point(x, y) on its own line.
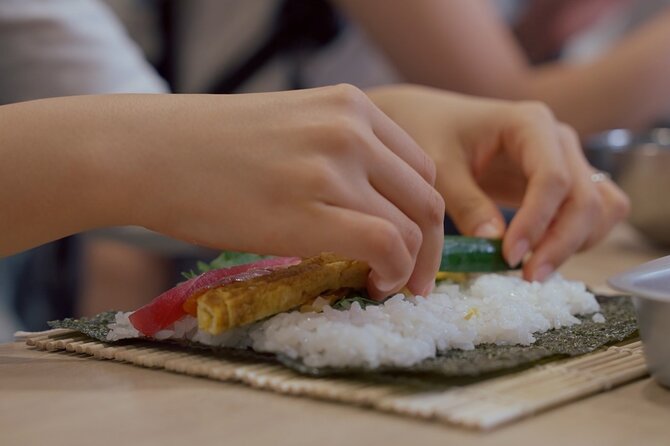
point(65, 399)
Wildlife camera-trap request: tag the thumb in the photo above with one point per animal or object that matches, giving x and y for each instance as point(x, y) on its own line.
point(473, 212)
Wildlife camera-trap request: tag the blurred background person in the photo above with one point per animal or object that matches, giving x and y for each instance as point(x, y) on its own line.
point(596, 63)
point(227, 46)
point(466, 47)
point(60, 48)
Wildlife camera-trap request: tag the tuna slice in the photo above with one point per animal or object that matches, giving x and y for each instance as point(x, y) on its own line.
point(168, 308)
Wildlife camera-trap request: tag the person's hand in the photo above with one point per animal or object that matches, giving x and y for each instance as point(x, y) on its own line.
point(291, 173)
point(490, 152)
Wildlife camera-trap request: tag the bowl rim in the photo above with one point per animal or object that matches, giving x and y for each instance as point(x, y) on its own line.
point(633, 280)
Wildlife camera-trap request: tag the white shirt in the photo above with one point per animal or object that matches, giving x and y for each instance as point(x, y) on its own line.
point(67, 47)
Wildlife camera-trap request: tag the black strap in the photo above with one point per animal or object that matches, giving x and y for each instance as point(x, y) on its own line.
point(301, 25)
point(166, 66)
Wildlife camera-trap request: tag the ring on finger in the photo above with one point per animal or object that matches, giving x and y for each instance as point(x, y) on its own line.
point(599, 177)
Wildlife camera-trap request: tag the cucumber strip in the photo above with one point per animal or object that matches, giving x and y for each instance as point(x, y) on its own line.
point(472, 255)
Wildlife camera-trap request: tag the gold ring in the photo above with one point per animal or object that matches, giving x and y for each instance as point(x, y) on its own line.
point(599, 177)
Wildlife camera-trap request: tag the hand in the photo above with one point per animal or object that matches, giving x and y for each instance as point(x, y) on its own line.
point(292, 173)
point(490, 152)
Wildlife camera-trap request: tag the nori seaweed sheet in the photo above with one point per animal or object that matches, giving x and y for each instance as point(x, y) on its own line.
point(620, 325)
point(95, 327)
point(456, 366)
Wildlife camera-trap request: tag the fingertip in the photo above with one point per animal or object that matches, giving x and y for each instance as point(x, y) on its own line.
point(516, 252)
point(489, 229)
point(540, 266)
point(379, 288)
point(375, 294)
point(421, 288)
point(428, 289)
point(542, 272)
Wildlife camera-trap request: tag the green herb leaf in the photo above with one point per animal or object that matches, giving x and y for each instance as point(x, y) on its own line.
point(225, 260)
point(362, 299)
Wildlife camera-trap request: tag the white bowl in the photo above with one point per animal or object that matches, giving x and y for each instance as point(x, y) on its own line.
point(649, 284)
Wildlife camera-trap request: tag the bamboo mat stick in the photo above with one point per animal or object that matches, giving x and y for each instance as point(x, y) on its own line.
point(483, 405)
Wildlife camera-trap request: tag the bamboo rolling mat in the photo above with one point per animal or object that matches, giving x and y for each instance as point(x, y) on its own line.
point(483, 405)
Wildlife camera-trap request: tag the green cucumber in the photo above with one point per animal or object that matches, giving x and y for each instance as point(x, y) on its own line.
point(472, 255)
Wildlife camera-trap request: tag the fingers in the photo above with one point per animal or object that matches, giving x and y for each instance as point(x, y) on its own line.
point(405, 176)
point(537, 150)
point(571, 226)
point(587, 214)
point(422, 205)
point(583, 221)
point(402, 144)
point(370, 167)
point(365, 199)
point(617, 208)
point(357, 235)
point(473, 212)
point(564, 237)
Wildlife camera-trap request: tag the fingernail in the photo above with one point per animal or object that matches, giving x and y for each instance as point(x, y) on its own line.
point(383, 287)
point(386, 287)
point(518, 251)
point(428, 289)
point(487, 230)
point(543, 272)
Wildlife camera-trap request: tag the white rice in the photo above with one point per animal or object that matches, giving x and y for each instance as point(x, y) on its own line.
point(495, 308)
point(598, 318)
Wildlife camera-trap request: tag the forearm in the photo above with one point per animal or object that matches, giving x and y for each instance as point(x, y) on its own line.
point(210, 169)
point(463, 46)
point(56, 175)
point(627, 87)
point(454, 45)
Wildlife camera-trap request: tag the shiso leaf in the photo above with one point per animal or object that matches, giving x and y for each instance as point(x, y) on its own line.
point(225, 260)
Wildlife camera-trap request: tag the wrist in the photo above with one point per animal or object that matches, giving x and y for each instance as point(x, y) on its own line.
point(106, 163)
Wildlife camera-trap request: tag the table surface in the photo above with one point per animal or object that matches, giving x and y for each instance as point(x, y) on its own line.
point(66, 399)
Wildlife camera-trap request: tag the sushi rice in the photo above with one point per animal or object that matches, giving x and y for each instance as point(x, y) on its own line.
point(494, 308)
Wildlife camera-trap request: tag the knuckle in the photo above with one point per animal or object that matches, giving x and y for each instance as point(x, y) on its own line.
point(384, 240)
point(321, 181)
point(462, 207)
point(435, 208)
point(429, 170)
point(536, 110)
point(343, 134)
point(349, 96)
point(413, 238)
point(592, 201)
point(622, 205)
point(569, 133)
point(571, 142)
point(557, 179)
point(469, 210)
point(463, 212)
